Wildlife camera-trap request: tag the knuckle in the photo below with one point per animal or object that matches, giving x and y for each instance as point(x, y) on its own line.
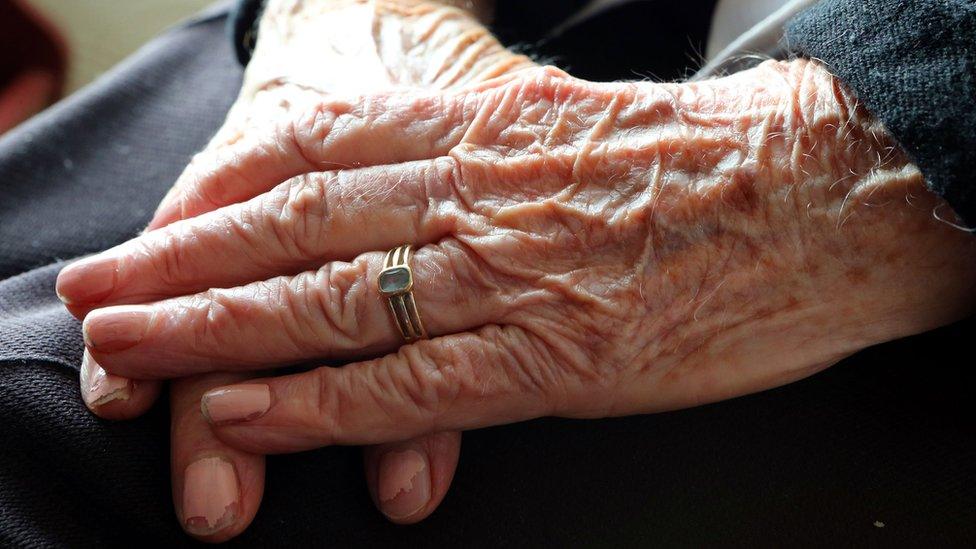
point(289, 301)
point(308, 195)
point(544, 81)
point(209, 194)
point(447, 185)
point(246, 229)
point(434, 376)
point(436, 202)
point(213, 321)
point(457, 265)
point(326, 411)
point(303, 137)
point(211, 181)
point(445, 178)
point(301, 212)
point(308, 132)
point(165, 254)
point(552, 72)
point(337, 303)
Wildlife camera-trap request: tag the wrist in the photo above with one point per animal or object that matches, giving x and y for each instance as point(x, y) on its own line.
point(355, 47)
point(906, 270)
point(825, 230)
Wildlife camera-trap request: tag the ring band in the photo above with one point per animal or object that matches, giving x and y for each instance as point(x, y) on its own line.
point(396, 284)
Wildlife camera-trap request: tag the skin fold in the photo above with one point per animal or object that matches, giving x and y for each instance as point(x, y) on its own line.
point(584, 249)
point(434, 39)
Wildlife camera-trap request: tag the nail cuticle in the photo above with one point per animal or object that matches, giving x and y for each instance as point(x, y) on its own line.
point(236, 404)
point(117, 328)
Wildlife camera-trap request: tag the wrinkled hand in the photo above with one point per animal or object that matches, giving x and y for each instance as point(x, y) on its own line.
point(586, 250)
point(307, 52)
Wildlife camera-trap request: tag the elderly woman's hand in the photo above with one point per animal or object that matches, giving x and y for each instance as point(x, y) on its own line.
point(584, 250)
point(307, 52)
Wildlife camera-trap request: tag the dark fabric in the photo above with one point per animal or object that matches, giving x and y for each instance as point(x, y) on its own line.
point(632, 39)
point(877, 450)
point(913, 64)
point(528, 23)
point(549, 31)
point(243, 27)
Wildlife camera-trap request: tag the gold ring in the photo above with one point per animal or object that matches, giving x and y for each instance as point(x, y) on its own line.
point(396, 284)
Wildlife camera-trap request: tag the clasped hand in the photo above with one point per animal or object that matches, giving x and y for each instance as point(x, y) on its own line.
point(583, 250)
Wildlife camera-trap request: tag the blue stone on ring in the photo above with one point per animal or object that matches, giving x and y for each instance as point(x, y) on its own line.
point(395, 280)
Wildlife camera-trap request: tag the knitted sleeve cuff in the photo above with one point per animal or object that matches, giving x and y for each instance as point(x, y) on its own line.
point(913, 64)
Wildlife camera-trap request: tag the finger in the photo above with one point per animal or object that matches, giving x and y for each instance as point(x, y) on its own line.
point(336, 312)
point(217, 489)
point(408, 480)
point(374, 130)
point(335, 134)
point(458, 382)
point(114, 397)
point(296, 227)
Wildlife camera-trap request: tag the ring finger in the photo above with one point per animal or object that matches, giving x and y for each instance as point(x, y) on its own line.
point(335, 312)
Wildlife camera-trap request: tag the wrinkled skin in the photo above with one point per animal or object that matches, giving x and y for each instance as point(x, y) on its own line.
point(586, 250)
point(440, 48)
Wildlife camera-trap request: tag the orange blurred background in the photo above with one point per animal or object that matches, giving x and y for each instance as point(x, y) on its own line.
point(50, 48)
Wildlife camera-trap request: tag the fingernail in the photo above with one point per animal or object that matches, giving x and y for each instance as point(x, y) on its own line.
point(90, 280)
point(116, 328)
point(99, 387)
point(238, 403)
point(404, 483)
point(210, 496)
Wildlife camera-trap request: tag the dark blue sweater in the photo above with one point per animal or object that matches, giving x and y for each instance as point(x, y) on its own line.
point(913, 64)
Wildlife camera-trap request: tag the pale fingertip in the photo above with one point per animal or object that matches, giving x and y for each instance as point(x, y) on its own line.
point(99, 387)
point(216, 489)
point(403, 484)
point(61, 297)
point(211, 496)
point(90, 280)
point(441, 451)
point(118, 328)
point(114, 397)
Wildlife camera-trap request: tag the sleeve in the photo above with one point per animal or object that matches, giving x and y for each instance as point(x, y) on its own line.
point(913, 64)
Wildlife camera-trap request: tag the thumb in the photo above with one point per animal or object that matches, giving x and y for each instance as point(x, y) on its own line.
point(409, 479)
point(216, 489)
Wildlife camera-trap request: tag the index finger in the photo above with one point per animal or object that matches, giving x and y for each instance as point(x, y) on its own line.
point(335, 134)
